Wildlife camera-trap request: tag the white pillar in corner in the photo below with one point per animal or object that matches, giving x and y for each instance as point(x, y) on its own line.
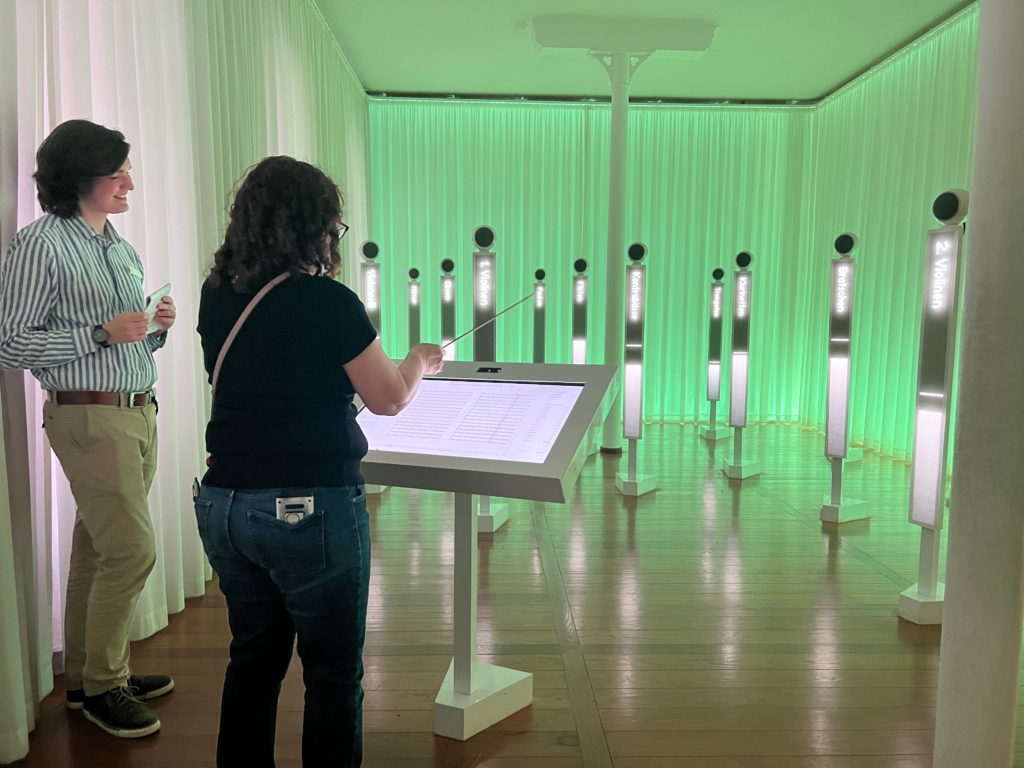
point(981, 630)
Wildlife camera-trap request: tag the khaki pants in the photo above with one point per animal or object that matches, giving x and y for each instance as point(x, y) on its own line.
point(109, 456)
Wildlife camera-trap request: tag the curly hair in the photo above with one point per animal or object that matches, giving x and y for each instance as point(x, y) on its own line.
point(71, 159)
point(285, 217)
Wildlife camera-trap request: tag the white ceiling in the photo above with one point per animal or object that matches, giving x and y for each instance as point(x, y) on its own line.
point(763, 50)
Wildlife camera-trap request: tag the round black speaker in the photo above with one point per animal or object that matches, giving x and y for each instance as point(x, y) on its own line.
point(447, 266)
point(845, 244)
point(743, 259)
point(637, 251)
point(580, 265)
point(483, 237)
point(414, 273)
point(718, 274)
point(951, 206)
point(539, 274)
point(370, 250)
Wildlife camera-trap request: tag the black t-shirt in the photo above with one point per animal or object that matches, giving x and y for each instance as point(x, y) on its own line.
point(283, 413)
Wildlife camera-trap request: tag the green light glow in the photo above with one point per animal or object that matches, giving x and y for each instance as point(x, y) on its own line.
point(704, 184)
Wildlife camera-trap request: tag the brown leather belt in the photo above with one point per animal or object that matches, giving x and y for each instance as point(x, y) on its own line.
point(85, 397)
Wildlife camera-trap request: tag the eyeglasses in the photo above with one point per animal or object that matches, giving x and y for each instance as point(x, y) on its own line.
point(341, 230)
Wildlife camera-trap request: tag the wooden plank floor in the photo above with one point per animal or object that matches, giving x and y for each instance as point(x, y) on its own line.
point(711, 624)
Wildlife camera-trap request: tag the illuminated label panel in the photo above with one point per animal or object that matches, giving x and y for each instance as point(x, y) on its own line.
point(579, 320)
point(414, 313)
point(928, 474)
point(937, 320)
point(716, 301)
point(840, 324)
point(715, 341)
point(371, 292)
point(448, 315)
point(741, 312)
point(538, 323)
point(579, 351)
point(740, 347)
point(837, 408)
point(635, 285)
point(511, 421)
point(714, 380)
point(632, 416)
point(938, 335)
point(485, 339)
point(840, 321)
point(632, 402)
point(738, 393)
point(484, 282)
point(842, 286)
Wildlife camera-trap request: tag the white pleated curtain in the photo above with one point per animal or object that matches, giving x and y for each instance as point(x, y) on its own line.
point(201, 91)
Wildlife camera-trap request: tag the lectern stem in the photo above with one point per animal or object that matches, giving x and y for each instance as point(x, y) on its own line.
point(465, 592)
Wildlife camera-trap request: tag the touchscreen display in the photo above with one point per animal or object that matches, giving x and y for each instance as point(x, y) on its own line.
point(498, 420)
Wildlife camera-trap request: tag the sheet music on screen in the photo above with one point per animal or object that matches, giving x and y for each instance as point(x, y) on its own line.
point(501, 420)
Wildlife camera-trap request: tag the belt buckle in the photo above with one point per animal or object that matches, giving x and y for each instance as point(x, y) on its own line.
point(131, 399)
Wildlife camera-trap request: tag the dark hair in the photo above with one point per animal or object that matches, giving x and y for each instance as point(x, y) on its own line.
point(71, 158)
point(284, 218)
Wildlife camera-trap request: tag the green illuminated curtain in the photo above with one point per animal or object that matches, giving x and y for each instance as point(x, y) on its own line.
point(883, 148)
point(703, 184)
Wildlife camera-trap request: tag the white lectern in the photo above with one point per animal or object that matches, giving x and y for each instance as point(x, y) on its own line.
point(922, 602)
point(513, 430)
point(491, 516)
point(632, 483)
point(414, 307)
point(739, 469)
point(713, 431)
point(370, 279)
point(448, 309)
point(837, 509)
point(539, 316)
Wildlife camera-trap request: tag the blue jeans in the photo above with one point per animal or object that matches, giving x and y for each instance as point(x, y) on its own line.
point(308, 579)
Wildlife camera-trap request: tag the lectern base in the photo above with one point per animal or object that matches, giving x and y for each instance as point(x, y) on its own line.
point(715, 433)
point(492, 520)
point(372, 489)
point(499, 692)
point(637, 487)
point(844, 512)
point(741, 471)
point(919, 609)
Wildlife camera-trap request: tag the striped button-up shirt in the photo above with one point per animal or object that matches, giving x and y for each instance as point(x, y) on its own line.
point(60, 279)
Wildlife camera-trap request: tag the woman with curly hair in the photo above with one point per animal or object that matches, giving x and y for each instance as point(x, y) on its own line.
point(281, 510)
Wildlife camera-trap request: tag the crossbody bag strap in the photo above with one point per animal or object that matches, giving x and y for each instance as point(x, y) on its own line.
point(238, 324)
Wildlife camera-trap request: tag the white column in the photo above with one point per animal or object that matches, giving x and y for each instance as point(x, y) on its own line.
point(619, 72)
point(981, 629)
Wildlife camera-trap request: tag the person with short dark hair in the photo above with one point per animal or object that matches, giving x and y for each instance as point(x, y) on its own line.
point(72, 311)
point(282, 511)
